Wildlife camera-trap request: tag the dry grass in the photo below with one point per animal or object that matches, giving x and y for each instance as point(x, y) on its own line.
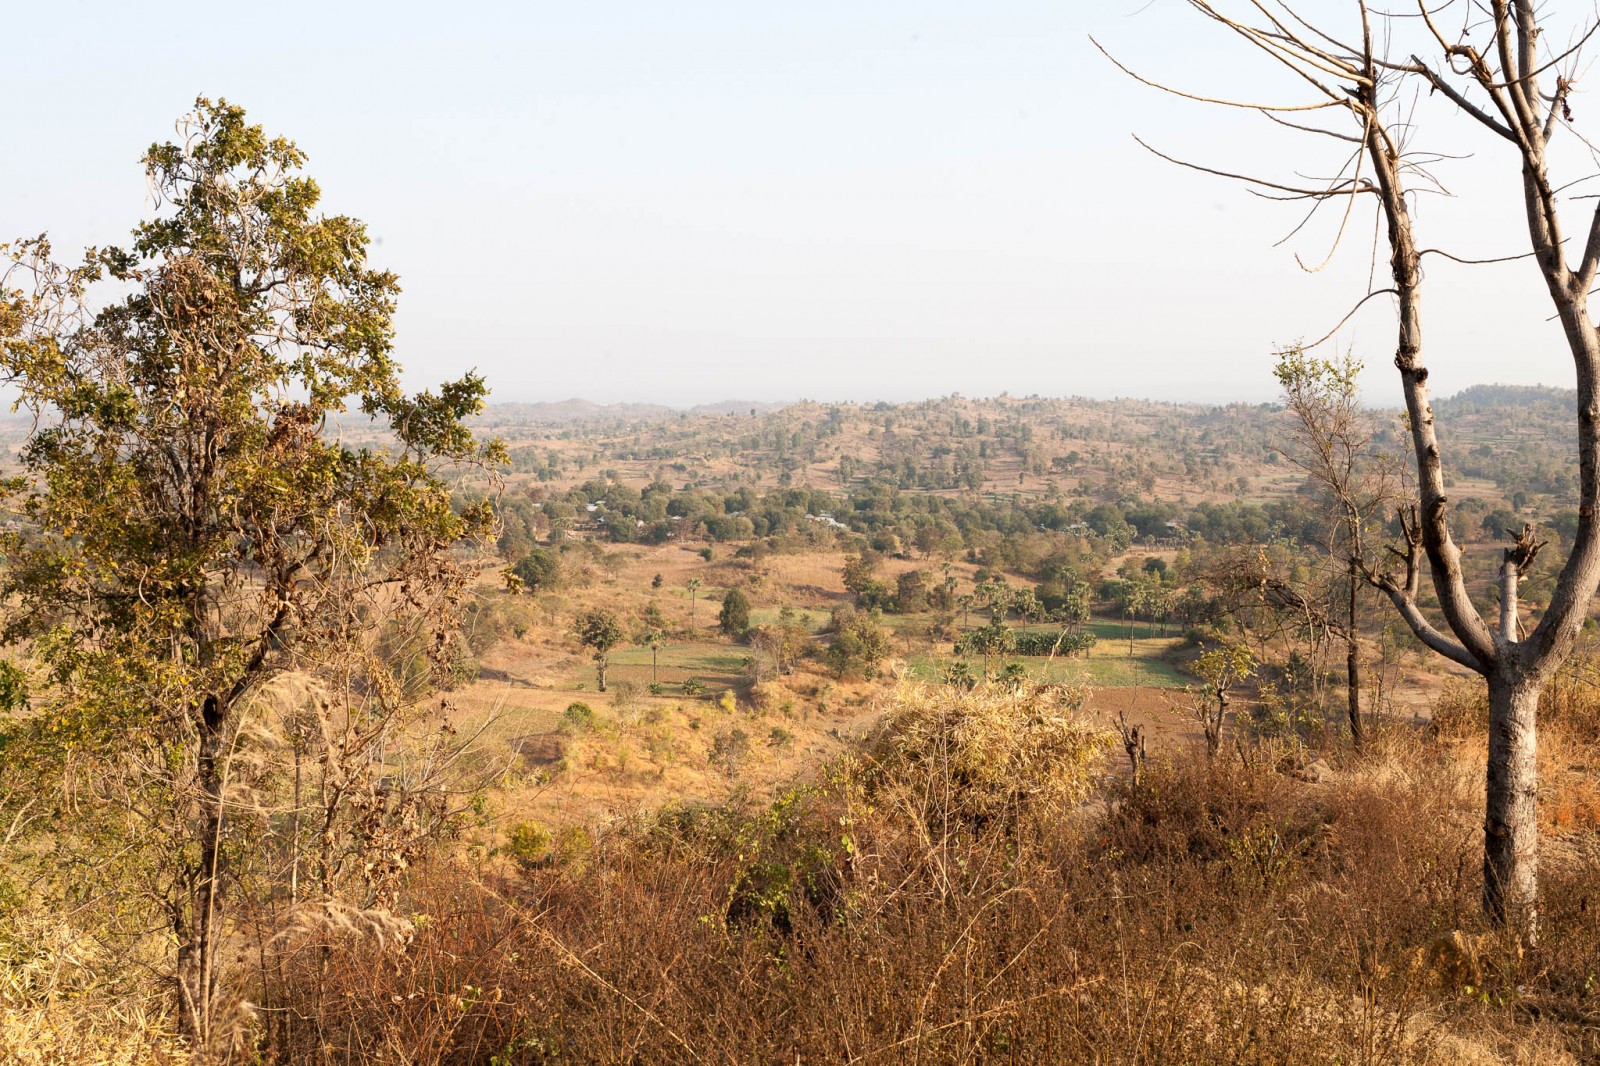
point(1222, 913)
point(57, 1005)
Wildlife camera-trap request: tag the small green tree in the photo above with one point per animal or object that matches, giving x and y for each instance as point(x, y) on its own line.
point(992, 641)
point(539, 570)
point(1074, 609)
point(859, 643)
point(599, 631)
point(734, 618)
point(1220, 670)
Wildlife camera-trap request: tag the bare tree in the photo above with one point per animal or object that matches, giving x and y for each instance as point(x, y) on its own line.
point(1488, 59)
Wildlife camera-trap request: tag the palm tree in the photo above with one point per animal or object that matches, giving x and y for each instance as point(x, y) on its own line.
point(694, 590)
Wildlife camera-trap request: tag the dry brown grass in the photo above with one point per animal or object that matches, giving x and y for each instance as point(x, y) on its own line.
point(58, 1006)
point(1217, 913)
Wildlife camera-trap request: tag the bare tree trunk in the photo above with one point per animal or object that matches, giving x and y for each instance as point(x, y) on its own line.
point(1133, 742)
point(1511, 824)
point(1352, 661)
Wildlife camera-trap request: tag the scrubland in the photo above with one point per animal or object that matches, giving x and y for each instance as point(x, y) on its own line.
point(974, 883)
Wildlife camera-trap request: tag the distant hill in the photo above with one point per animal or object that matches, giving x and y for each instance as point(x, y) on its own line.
point(1482, 398)
point(577, 412)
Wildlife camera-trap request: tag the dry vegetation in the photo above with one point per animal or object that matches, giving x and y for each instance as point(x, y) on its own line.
point(901, 910)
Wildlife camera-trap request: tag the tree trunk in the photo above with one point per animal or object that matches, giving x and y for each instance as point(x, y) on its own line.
point(197, 930)
point(1511, 819)
point(1352, 662)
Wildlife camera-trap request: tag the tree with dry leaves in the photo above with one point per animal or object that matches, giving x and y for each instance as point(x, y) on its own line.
point(228, 617)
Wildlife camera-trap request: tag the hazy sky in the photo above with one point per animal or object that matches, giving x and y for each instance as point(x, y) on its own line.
point(835, 200)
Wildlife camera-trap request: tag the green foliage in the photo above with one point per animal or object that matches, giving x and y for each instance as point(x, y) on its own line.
point(539, 570)
point(859, 643)
point(578, 718)
point(527, 844)
point(599, 631)
point(959, 675)
point(1052, 642)
point(195, 534)
point(990, 641)
point(1223, 667)
point(860, 580)
point(734, 618)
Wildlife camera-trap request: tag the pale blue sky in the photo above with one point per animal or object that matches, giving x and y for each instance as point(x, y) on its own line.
point(707, 200)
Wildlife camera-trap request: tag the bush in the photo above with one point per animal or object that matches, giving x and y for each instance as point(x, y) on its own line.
point(729, 751)
point(526, 844)
point(577, 719)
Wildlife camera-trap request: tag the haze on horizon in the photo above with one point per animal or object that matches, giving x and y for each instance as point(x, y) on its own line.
point(626, 203)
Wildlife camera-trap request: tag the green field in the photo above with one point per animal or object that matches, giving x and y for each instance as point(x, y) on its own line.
point(813, 617)
point(1100, 669)
point(717, 666)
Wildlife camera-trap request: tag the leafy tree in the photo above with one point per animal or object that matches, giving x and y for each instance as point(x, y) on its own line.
point(911, 592)
point(860, 579)
point(991, 641)
point(599, 631)
point(734, 618)
point(859, 642)
point(539, 570)
point(786, 642)
point(1333, 444)
point(200, 539)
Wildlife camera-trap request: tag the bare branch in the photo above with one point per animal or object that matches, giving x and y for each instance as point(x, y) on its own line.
point(1474, 262)
point(1419, 67)
point(1299, 193)
point(1359, 303)
point(1312, 129)
point(1211, 99)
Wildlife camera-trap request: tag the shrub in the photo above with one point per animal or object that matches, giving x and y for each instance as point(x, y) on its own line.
point(578, 718)
point(729, 751)
point(526, 844)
